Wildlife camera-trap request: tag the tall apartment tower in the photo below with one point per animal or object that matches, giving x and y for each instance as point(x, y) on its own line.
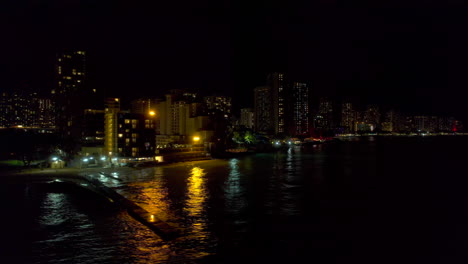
point(263, 110)
point(247, 117)
point(70, 96)
point(372, 117)
point(279, 88)
point(325, 117)
point(299, 108)
point(218, 106)
point(112, 108)
point(144, 105)
point(347, 117)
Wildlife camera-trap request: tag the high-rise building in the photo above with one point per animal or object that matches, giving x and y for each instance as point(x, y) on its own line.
point(178, 121)
point(71, 94)
point(263, 110)
point(93, 128)
point(135, 135)
point(372, 117)
point(282, 106)
point(426, 123)
point(446, 124)
point(279, 88)
point(70, 72)
point(247, 118)
point(218, 106)
point(5, 110)
point(347, 117)
point(324, 119)
point(298, 106)
point(112, 108)
point(144, 106)
point(457, 126)
point(26, 109)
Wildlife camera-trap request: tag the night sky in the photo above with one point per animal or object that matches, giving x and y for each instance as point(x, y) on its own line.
point(412, 53)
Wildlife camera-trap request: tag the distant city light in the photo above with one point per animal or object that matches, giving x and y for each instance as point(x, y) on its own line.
point(152, 113)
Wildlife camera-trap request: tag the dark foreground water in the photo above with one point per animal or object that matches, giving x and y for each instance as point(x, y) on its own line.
point(374, 200)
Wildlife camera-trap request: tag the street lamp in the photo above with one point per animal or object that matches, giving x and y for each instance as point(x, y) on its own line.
point(152, 113)
point(195, 141)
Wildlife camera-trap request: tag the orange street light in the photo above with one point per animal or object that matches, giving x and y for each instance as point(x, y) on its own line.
point(152, 113)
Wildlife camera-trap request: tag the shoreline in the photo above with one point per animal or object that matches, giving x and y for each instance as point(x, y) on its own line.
point(83, 178)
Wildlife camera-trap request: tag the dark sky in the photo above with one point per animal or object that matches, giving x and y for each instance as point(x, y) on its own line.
point(408, 53)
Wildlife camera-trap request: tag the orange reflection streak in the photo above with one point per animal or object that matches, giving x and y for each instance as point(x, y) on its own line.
point(154, 195)
point(196, 196)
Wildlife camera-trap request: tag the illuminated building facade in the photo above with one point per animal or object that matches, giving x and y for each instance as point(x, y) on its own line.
point(93, 128)
point(26, 109)
point(263, 110)
point(112, 108)
point(426, 123)
point(247, 118)
point(347, 117)
point(446, 124)
point(45, 117)
point(390, 121)
point(299, 102)
point(282, 106)
point(71, 94)
point(279, 87)
point(324, 119)
point(135, 135)
point(178, 120)
point(143, 105)
point(5, 110)
point(124, 134)
point(218, 106)
point(372, 117)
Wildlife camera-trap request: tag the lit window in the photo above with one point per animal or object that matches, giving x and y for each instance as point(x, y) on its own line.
point(127, 121)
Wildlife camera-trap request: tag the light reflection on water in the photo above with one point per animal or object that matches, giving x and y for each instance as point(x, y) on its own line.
point(293, 202)
point(196, 198)
point(233, 190)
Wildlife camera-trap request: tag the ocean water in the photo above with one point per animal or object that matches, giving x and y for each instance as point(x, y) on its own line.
point(366, 200)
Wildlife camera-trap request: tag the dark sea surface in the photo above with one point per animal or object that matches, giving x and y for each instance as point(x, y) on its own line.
point(367, 200)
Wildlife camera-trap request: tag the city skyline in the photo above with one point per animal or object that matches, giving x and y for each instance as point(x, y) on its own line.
point(374, 54)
